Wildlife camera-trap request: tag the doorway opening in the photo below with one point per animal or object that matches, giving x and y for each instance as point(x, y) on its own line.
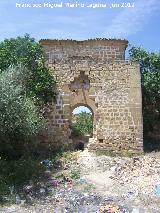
point(81, 126)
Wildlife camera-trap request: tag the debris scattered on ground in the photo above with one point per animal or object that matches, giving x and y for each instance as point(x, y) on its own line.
point(47, 163)
point(93, 184)
point(111, 209)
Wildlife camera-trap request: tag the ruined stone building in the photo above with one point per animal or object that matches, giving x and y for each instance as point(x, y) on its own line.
point(94, 73)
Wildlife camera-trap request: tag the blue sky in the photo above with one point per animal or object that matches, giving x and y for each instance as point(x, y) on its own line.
point(79, 109)
point(140, 25)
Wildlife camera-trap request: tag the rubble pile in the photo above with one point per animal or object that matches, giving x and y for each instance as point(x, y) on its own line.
point(134, 181)
point(140, 174)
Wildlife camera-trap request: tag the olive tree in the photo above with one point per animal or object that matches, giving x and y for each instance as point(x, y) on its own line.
point(19, 118)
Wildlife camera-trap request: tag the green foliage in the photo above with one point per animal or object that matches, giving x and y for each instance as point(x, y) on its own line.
point(151, 144)
point(75, 173)
point(19, 119)
point(89, 188)
point(26, 51)
point(105, 152)
point(83, 124)
point(16, 173)
point(150, 75)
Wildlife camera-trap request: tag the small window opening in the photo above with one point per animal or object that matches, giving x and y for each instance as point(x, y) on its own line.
point(100, 140)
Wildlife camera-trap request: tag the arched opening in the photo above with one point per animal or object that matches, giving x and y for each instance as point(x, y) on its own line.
point(81, 126)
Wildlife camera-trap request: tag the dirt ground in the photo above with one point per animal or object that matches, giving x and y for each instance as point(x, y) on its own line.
point(128, 185)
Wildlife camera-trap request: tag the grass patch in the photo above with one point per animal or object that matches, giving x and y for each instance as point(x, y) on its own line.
point(75, 173)
point(70, 156)
point(124, 153)
point(14, 174)
point(89, 188)
point(17, 173)
point(65, 158)
point(105, 152)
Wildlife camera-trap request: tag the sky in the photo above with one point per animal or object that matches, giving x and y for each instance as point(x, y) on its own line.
point(79, 109)
point(139, 23)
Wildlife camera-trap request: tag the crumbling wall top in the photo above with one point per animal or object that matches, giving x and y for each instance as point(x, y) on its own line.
point(90, 42)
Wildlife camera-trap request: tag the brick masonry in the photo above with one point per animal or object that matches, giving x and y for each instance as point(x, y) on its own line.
point(94, 73)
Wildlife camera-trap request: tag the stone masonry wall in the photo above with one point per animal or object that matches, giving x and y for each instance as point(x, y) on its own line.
point(93, 73)
point(96, 50)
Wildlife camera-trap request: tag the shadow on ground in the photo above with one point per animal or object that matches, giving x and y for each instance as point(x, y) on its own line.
point(151, 144)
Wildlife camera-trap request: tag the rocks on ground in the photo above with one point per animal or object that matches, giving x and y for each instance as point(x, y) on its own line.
point(97, 184)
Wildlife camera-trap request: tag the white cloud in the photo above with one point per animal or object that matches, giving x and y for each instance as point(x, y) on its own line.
point(131, 20)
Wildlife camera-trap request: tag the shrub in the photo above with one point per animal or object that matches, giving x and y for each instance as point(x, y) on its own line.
point(150, 77)
point(19, 119)
point(16, 173)
point(83, 124)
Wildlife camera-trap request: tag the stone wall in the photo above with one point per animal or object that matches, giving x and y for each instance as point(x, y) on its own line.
point(93, 73)
point(96, 50)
